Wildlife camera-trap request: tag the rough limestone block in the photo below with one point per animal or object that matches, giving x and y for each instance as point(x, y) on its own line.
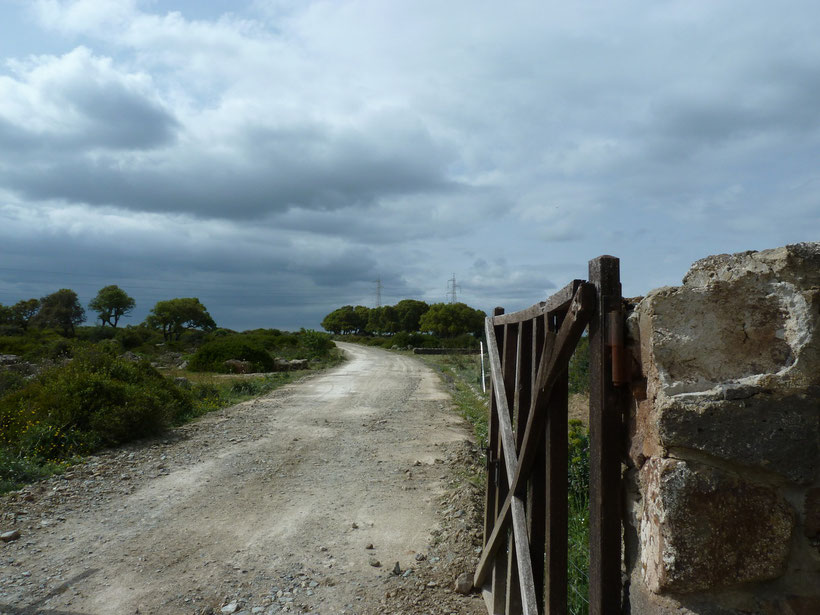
point(704, 529)
point(797, 264)
point(749, 319)
point(770, 431)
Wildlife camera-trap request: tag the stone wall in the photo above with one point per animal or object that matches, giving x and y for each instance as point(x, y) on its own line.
point(723, 504)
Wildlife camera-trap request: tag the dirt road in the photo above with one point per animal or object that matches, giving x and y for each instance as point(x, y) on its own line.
point(286, 503)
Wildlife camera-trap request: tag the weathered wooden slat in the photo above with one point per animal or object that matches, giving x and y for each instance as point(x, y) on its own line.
point(552, 364)
point(499, 571)
point(556, 495)
point(559, 301)
point(492, 444)
point(536, 487)
point(524, 380)
point(513, 504)
point(505, 562)
point(511, 367)
point(492, 496)
point(605, 438)
point(513, 603)
point(485, 561)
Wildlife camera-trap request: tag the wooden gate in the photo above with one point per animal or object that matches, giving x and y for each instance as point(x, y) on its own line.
point(523, 566)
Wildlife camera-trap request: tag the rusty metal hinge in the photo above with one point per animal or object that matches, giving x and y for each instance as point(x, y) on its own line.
point(492, 466)
point(615, 340)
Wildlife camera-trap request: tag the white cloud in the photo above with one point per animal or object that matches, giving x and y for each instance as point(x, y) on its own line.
point(78, 100)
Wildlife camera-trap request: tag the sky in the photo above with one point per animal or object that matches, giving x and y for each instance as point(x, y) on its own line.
point(278, 158)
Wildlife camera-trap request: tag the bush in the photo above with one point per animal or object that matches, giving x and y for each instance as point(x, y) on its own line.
point(133, 337)
point(212, 355)
point(58, 350)
point(30, 345)
point(8, 330)
point(10, 381)
point(466, 340)
point(316, 343)
point(95, 334)
point(16, 471)
point(94, 401)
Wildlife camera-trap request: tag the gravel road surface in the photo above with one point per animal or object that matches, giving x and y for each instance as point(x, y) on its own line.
point(307, 500)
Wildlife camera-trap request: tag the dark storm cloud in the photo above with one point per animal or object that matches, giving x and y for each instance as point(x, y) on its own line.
point(118, 118)
point(758, 106)
point(283, 279)
point(272, 171)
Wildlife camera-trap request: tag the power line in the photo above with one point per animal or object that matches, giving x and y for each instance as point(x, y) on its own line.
point(452, 289)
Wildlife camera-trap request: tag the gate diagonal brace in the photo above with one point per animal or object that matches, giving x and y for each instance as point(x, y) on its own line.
point(550, 367)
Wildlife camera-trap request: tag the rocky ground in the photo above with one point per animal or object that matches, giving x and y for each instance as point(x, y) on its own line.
point(349, 492)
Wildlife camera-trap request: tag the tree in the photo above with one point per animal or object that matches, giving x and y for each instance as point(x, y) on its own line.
point(111, 304)
point(19, 314)
point(174, 316)
point(5, 315)
point(339, 321)
point(409, 311)
point(382, 320)
point(452, 319)
point(23, 311)
point(60, 310)
point(347, 319)
point(361, 315)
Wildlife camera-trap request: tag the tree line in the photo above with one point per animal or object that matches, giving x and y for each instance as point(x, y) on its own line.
point(407, 316)
point(63, 312)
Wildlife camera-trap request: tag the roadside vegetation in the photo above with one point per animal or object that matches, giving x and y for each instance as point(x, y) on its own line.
point(68, 390)
point(462, 375)
point(408, 324)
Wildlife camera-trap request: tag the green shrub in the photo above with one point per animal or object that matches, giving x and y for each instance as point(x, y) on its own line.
point(57, 349)
point(316, 343)
point(402, 340)
point(17, 471)
point(31, 346)
point(11, 330)
point(133, 337)
point(211, 356)
point(462, 341)
point(95, 400)
point(10, 381)
point(95, 334)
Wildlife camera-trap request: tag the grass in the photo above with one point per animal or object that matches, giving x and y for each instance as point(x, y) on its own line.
point(16, 472)
point(462, 376)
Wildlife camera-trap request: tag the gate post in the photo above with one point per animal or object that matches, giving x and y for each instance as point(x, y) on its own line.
point(605, 410)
